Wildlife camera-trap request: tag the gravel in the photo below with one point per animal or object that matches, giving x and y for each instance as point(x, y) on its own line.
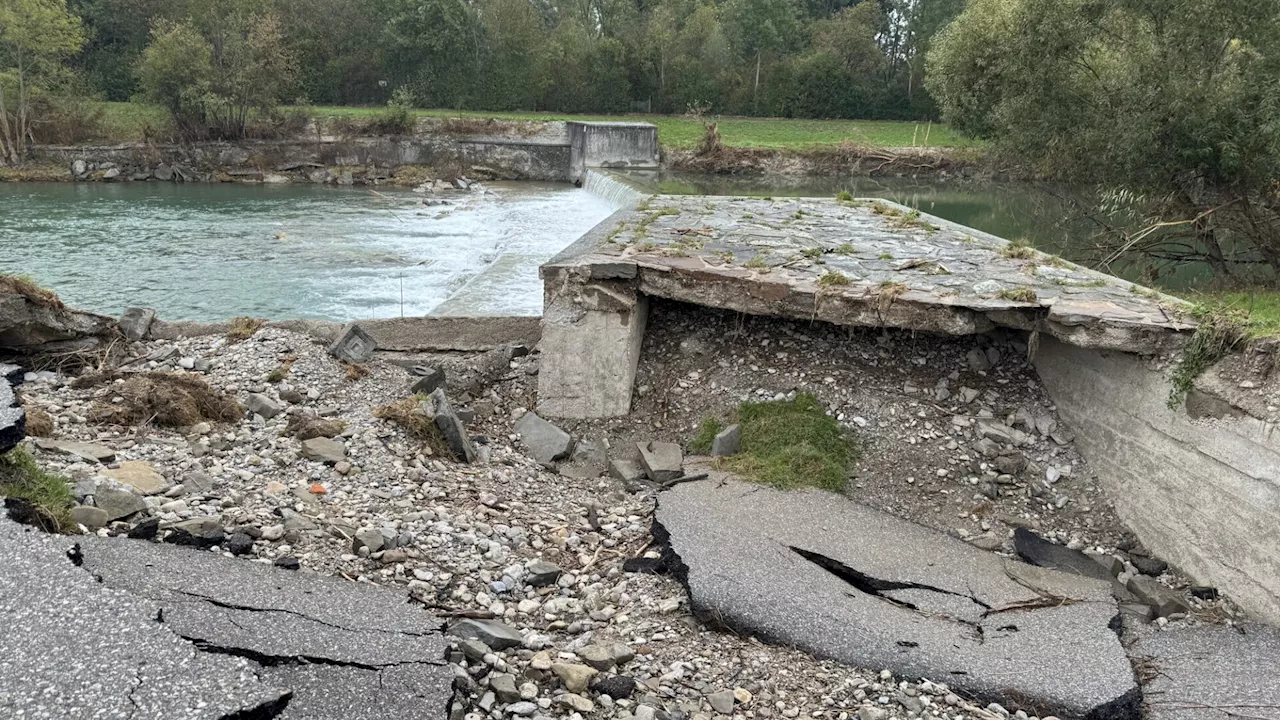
point(476, 542)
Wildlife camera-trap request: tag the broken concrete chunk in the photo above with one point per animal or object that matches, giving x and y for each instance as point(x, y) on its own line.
point(1163, 599)
point(490, 632)
point(1038, 551)
point(90, 452)
point(426, 380)
point(201, 532)
point(628, 471)
point(325, 450)
point(886, 593)
point(727, 442)
point(662, 461)
point(546, 442)
point(451, 427)
point(140, 476)
point(136, 322)
point(353, 345)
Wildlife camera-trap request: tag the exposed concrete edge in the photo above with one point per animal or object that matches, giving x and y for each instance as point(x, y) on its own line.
point(759, 296)
point(583, 246)
point(430, 333)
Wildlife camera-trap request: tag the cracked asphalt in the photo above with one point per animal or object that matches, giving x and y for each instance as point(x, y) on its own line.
point(841, 580)
point(139, 630)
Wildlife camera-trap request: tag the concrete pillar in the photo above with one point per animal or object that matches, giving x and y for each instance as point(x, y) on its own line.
point(592, 328)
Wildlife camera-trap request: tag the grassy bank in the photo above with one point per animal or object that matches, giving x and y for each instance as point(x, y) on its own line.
point(128, 122)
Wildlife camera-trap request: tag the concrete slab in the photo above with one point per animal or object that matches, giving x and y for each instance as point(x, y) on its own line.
point(837, 579)
point(1210, 672)
point(871, 263)
point(73, 648)
point(330, 642)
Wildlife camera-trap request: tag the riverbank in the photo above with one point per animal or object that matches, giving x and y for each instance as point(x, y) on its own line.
point(136, 122)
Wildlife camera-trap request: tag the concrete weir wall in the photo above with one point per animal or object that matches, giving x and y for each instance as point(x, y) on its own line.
point(1203, 494)
point(549, 151)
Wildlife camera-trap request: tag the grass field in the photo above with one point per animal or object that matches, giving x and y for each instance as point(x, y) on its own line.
point(127, 121)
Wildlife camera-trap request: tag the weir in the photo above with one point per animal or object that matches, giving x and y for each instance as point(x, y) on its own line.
point(1198, 484)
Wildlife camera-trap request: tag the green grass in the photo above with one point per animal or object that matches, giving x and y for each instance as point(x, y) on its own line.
point(126, 122)
point(1260, 307)
point(786, 444)
point(21, 477)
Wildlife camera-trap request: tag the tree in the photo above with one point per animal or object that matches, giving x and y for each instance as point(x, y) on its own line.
point(762, 26)
point(214, 69)
point(1170, 107)
point(36, 37)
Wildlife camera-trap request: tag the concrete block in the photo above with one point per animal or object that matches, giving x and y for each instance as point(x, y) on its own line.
point(727, 442)
point(353, 345)
point(589, 359)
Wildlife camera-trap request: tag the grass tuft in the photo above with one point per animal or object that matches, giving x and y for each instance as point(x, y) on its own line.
point(27, 288)
point(410, 415)
point(701, 443)
point(243, 328)
point(833, 279)
point(51, 495)
point(1221, 330)
point(1022, 294)
point(1018, 250)
point(787, 444)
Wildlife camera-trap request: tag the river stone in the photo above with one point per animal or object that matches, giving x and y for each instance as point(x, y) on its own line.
point(546, 442)
point(90, 517)
point(260, 404)
point(727, 442)
point(504, 686)
point(140, 476)
point(496, 635)
point(201, 532)
point(597, 656)
point(628, 471)
point(135, 323)
point(541, 573)
point(662, 461)
point(163, 173)
point(118, 504)
point(353, 345)
point(325, 450)
point(722, 702)
point(575, 677)
point(1164, 600)
point(91, 452)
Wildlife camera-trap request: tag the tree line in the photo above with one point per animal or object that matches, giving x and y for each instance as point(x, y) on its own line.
point(786, 58)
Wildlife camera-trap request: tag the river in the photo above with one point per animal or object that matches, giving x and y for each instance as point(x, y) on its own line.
point(212, 251)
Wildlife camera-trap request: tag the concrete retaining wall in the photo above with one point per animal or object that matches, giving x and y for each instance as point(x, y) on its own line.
point(550, 151)
point(613, 145)
point(1202, 494)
